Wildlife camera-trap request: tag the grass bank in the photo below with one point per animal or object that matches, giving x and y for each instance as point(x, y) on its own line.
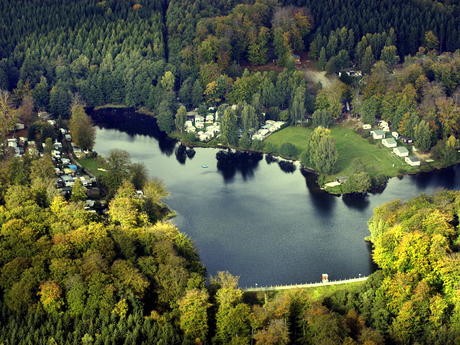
point(93, 165)
point(352, 149)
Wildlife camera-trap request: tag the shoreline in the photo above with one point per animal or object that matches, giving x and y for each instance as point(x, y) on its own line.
point(177, 137)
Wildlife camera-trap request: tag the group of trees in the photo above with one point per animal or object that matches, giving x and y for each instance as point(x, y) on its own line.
point(414, 298)
point(256, 33)
point(131, 278)
point(421, 101)
point(339, 50)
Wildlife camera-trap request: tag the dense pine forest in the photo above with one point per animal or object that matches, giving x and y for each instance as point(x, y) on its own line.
point(127, 275)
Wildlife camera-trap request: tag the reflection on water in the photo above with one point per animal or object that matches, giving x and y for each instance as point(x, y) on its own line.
point(249, 217)
point(245, 163)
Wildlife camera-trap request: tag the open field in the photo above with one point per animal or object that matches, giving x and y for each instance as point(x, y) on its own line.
point(352, 148)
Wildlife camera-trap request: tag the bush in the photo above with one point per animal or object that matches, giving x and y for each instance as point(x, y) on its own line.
point(257, 145)
point(288, 150)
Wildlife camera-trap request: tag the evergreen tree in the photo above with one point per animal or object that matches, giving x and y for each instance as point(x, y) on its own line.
point(423, 135)
point(297, 110)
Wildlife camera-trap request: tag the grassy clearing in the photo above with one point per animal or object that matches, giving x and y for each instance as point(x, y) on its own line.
point(92, 165)
point(352, 149)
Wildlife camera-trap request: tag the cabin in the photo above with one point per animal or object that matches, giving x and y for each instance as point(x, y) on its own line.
point(190, 129)
point(378, 134)
point(19, 126)
point(209, 118)
point(389, 142)
point(412, 161)
point(354, 74)
point(401, 151)
point(191, 115)
point(12, 143)
point(199, 118)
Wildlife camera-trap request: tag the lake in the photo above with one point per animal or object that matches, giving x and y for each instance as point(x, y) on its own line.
point(253, 219)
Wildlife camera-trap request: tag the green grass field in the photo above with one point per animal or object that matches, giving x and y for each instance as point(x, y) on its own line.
point(92, 165)
point(352, 148)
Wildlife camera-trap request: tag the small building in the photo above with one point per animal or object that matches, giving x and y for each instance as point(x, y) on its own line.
point(12, 143)
point(383, 124)
point(199, 118)
point(378, 134)
point(57, 145)
point(68, 137)
point(401, 151)
point(367, 126)
point(389, 142)
point(412, 161)
point(395, 135)
point(354, 74)
point(191, 115)
point(18, 126)
point(325, 278)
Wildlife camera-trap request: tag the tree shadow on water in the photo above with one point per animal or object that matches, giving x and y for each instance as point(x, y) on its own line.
point(323, 202)
point(229, 163)
point(358, 201)
point(127, 120)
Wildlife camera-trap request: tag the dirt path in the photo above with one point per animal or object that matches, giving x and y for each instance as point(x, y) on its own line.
point(318, 77)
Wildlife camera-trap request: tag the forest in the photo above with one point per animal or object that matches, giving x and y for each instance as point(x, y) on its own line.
point(70, 276)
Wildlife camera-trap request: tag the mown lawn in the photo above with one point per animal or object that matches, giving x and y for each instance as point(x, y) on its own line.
point(92, 165)
point(352, 148)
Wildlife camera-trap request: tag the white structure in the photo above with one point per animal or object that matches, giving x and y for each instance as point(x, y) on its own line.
point(383, 124)
point(401, 151)
point(389, 142)
point(367, 126)
point(395, 135)
point(190, 129)
point(378, 134)
point(412, 161)
point(12, 143)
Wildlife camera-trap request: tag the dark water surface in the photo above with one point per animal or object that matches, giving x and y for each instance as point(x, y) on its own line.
point(253, 219)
